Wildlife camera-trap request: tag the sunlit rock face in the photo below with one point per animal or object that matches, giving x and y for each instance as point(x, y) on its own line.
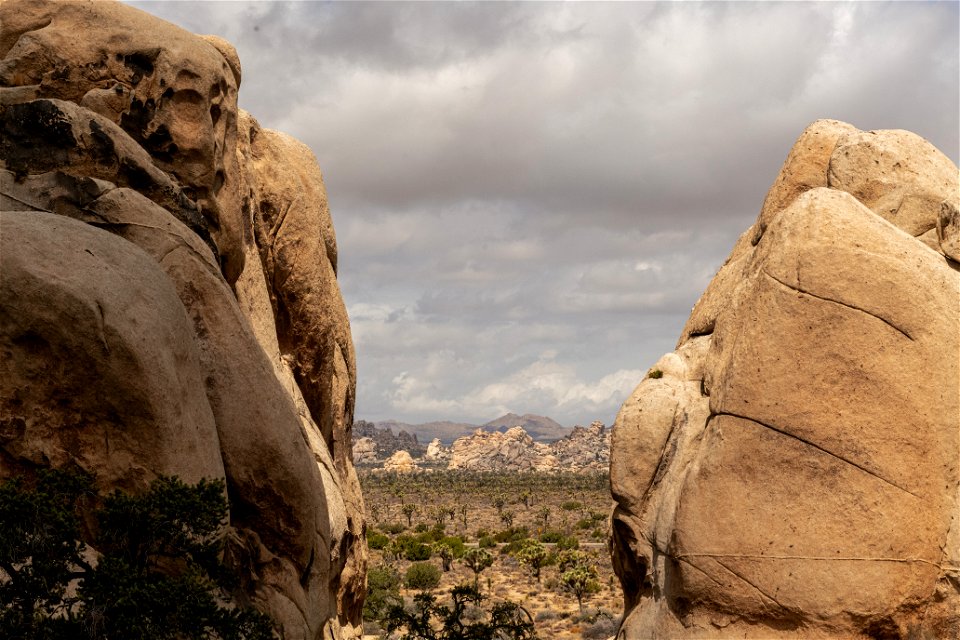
point(791, 469)
point(169, 299)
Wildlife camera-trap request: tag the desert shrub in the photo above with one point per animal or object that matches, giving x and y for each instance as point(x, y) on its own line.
point(377, 540)
point(421, 527)
point(583, 523)
point(417, 551)
point(383, 591)
point(512, 534)
point(599, 624)
point(598, 534)
point(407, 546)
point(656, 374)
point(482, 533)
point(422, 576)
point(571, 505)
point(125, 595)
point(393, 528)
point(511, 548)
point(455, 543)
point(430, 620)
point(546, 615)
point(567, 542)
point(486, 542)
point(551, 536)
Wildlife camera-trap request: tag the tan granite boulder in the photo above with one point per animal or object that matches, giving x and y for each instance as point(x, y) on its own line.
point(793, 469)
point(168, 368)
point(69, 318)
point(436, 452)
point(400, 462)
point(173, 92)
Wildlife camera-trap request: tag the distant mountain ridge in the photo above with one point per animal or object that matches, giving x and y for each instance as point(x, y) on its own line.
point(540, 428)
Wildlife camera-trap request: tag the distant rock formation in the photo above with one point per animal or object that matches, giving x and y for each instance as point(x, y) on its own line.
point(400, 462)
point(364, 450)
point(514, 450)
point(436, 452)
point(792, 470)
point(385, 442)
point(492, 450)
point(169, 302)
point(584, 448)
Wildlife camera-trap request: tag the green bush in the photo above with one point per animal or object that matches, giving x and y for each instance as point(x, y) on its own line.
point(656, 374)
point(377, 540)
point(571, 505)
point(173, 525)
point(422, 576)
point(417, 551)
point(568, 542)
point(465, 618)
point(486, 542)
point(383, 591)
point(455, 543)
point(513, 534)
point(551, 536)
point(393, 528)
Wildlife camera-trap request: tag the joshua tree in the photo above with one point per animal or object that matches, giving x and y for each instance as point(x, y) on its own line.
point(580, 580)
point(408, 510)
point(477, 560)
point(445, 551)
point(535, 556)
point(544, 515)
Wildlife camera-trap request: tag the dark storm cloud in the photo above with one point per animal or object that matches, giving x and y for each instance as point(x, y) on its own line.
point(529, 197)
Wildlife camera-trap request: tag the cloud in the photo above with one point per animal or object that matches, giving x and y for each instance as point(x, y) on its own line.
point(511, 179)
point(543, 383)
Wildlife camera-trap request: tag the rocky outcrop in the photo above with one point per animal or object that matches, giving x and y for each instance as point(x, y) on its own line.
point(400, 462)
point(792, 469)
point(513, 449)
point(386, 442)
point(584, 448)
point(436, 452)
point(169, 298)
point(364, 451)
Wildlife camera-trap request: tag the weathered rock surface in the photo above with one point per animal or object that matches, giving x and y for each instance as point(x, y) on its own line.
point(169, 300)
point(793, 470)
point(400, 462)
point(513, 449)
point(436, 452)
point(584, 448)
point(364, 450)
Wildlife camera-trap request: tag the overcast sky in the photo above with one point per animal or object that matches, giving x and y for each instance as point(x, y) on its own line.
point(529, 198)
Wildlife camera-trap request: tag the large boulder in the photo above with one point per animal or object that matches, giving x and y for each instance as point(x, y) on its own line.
point(154, 318)
point(792, 470)
point(511, 450)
